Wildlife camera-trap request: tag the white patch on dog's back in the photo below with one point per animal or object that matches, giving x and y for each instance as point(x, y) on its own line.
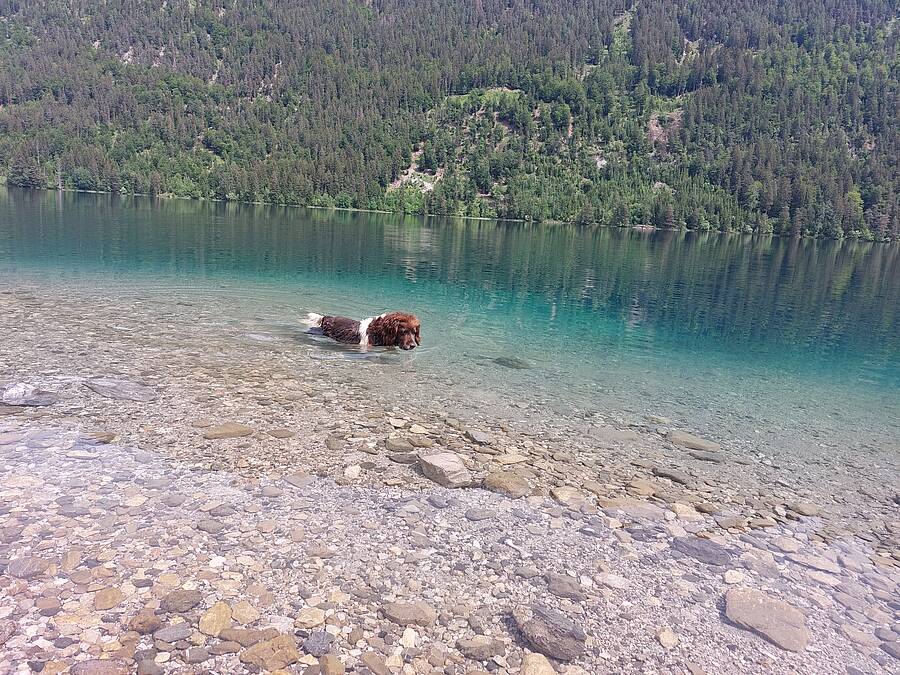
point(312, 319)
point(364, 331)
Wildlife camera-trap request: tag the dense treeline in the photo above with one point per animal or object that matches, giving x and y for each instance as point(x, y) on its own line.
point(750, 115)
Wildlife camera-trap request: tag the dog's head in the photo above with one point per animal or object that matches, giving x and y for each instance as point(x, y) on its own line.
point(400, 329)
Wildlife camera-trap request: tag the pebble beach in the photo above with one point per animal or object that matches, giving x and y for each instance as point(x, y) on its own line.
point(215, 495)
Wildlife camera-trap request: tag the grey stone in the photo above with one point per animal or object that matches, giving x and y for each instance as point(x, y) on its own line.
point(174, 633)
point(673, 475)
point(691, 441)
point(704, 550)
point(479, 437)
point(318, 643)
point(552, 633)
point(564, 586)
point(21, 394)
point(477, 514)
point(123, 390)
point(211, 526)
point(196, 655)
point(180, 600)
point(27, 567)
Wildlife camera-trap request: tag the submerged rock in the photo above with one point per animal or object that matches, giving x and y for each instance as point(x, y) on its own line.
point(703, 550)
point(780, 623)
point(512, 362)
point(21, 394)
point(227, 430)
point(691, 441)
point(123, 390)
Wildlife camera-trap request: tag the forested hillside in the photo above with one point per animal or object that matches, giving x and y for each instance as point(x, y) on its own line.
point(749, 115)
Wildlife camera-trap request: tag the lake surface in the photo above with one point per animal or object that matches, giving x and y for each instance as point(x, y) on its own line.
point(783, 345)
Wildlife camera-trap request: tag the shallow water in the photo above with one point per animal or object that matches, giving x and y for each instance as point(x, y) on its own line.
point(791, 346)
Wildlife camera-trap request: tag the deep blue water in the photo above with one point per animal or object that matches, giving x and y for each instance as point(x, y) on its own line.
point(666, 321)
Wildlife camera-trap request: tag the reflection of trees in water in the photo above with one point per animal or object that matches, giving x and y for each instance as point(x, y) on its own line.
point(749, 291)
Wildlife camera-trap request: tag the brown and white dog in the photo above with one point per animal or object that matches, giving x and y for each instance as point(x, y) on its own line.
point(394, 329)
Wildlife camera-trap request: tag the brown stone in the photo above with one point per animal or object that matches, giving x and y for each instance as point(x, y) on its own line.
point(107, 598)
point(216, 619)
point(227, 430)
point(145, 622)
point(780, 623)
point(273, 654)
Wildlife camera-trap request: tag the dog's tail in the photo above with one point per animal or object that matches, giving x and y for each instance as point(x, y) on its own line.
point(312, 319)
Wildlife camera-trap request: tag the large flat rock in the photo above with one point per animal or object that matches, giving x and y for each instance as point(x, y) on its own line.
point(780, 623)
point(122, 390)
point(687, 440)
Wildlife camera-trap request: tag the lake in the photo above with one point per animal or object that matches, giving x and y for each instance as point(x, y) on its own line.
point(781, 345)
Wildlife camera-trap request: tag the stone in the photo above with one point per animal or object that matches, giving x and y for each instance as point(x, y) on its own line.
point(281, 433)
point(99, 667)
point(892, 647)
point(122, 390)
point(712, 457)
point(734, 577)
point(686, 440)
point(174, 633)
point(407, 613)
point(107, 598)
point(673, 475)
point(298, 480)
point(480, 648)
point(227, 430)
point(552, 633)
point(144, 622)
point(210, 525)
point(510, 458)
point(196, 655)
point(243, 612)
point(331, 665)
point(817, 563)
point(536, 664)
point(27, 567)
point(245, 637)
point(21, 394)
point(398, 445)
point(216, 619)
point(446, 469)
point(375, 663)
point(180, 601)
point(318, 643)
point(633, 508)
point(310, 617)
point(280, 652)
point(804, 508)
point(478, 514)
point(704, 550)
point(479, 437)
point(568, 495)
point(779, 622)
point(667, 638)
point(564, 586)
point(507, 483)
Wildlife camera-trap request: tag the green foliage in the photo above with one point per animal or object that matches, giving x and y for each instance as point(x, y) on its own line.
point(744, 116)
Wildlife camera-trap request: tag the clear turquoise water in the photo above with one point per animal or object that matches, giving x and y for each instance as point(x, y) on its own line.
point(770, 340)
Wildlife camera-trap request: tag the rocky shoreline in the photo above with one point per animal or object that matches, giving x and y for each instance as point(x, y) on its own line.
point(200, 499)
